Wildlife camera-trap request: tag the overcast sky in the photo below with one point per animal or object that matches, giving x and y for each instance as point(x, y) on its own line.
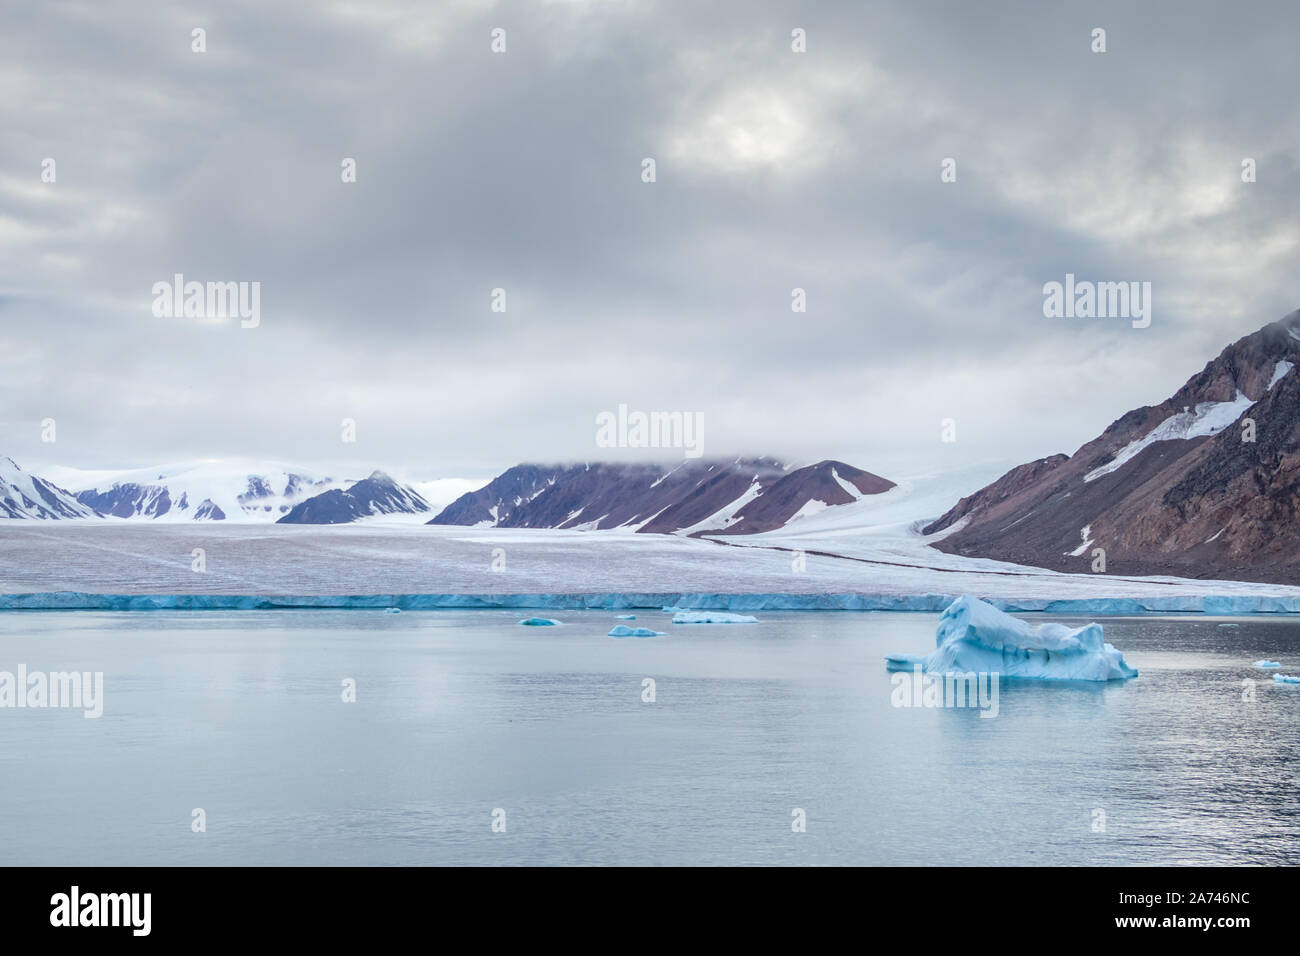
point(523, 170)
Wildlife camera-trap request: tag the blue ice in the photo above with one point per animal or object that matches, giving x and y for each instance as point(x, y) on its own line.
point(974, 636)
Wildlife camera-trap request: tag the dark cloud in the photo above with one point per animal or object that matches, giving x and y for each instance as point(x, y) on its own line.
point(522, 171)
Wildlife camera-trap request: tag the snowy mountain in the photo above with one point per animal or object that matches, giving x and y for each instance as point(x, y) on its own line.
point(1187, 487)
point(377, 495)
point(222, 490)
point(27, 496)
point(744, 496)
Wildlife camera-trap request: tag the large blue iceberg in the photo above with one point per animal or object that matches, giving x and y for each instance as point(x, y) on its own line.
point(974, 636)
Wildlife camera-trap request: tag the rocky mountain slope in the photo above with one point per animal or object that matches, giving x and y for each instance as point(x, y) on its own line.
point(1204, 485)
point(377, 495)
point(27, 496)
point(743, 496)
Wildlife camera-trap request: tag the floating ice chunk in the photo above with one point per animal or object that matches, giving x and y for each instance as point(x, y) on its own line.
point(1227, 625)
point(622, 630)
point(1286, 678)
point(1267, 664)
point(975, 636)
point(538, 622)
point(392, 610)
point(626, 617)
point(712, 617)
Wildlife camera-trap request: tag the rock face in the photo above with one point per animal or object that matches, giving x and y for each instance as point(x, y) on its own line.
point(743, 496)
point(1175, 488)
point(27, 496)
point(377, 495)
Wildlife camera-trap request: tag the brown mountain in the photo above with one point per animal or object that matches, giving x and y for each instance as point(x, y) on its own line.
point(744, 496)
point(1175, 488)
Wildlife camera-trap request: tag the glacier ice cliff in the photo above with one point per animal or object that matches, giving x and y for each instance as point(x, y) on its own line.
point(974, 636)
point(1226, 605)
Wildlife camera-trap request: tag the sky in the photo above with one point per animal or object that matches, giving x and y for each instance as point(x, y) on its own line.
point(522, 170)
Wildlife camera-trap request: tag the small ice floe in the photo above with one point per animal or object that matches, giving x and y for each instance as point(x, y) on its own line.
point(538, 622)
point(1286, 678)
point(626, 617)
point(1266, 664)
point(974, 636)
point(392, 610)
point(712, 617)
point(1227, 625)
point(622, 630)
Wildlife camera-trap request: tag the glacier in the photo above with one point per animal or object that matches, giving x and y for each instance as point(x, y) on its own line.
point(622, 630)
point(1216, 605)
point(974, 636)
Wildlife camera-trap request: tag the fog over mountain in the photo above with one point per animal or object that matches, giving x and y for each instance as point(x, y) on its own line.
point(522, 171)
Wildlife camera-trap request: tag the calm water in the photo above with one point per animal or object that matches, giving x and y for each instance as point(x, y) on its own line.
point(459, 713)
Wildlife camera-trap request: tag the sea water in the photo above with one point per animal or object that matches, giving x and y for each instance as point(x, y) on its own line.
point(232, 737)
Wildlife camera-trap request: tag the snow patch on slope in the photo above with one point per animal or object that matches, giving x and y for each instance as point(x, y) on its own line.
point(1086, 534)
point(849, 487)
point(1208, 418)
point(725, 516)
point(1280, 372)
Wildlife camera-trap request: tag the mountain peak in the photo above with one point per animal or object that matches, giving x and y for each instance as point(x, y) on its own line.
point(743, 495)
point(1201, 485)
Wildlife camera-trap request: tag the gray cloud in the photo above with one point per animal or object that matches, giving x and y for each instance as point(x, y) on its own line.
point(522, 171)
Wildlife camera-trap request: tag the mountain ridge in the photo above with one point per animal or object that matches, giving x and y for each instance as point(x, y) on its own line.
point(1173, 488)
point(700, 496)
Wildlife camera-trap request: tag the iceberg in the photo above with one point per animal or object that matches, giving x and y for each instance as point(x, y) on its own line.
point(538, 622)
point(712, 617)
point(626, 617)
point(1286, 679)
point(392, 610)
point(974, 636)
point(1266, 664)
point(622, 630)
